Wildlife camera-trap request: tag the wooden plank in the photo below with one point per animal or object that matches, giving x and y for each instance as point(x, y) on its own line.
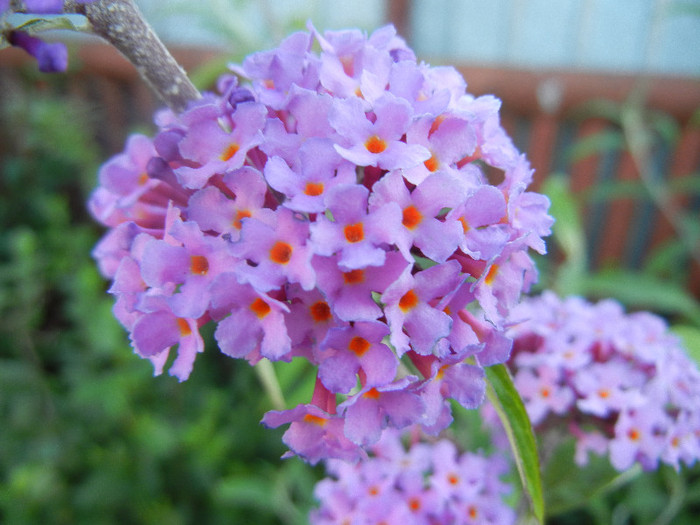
point(518, 88)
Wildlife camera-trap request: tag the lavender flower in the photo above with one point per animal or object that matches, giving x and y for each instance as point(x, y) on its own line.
point(620, 382)
point(421, 483)
point(328, 206)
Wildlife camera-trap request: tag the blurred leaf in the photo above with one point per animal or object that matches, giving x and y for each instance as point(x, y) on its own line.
point(568, 233)
point(616, 189)
point(568, 485)
point(511, 411)
point(640, 290)
point(667, 261)
point(602, 142)
point(665, 125)
point(609, 110)
point(690, 336)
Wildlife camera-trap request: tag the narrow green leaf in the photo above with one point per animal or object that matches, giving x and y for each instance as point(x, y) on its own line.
point(640, 290)
point(511, 410)
point(69, 22)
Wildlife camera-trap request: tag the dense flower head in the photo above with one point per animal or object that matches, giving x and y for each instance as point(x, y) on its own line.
point(621, 381)
point(408, 481)
point(333, 206)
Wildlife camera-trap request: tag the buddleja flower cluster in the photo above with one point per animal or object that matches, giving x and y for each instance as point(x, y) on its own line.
point(51, 57)
point(424, 483)
point(334, 207)
point(622, 382)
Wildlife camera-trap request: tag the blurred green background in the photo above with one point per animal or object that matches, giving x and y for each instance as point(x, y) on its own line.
point(88, 435)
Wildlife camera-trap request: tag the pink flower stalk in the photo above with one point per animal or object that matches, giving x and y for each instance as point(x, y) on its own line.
point(620, 382)
point(424, 482)
point(328, 206)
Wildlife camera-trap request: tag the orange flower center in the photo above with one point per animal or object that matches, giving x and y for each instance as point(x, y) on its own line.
point(260, 308)
point(375, 145)
point(240, 215)
point(230, 151)
point(491, 275)
point(372, 393)
point(432, 164)
point(358, 345)
point(320, 311)
point(199, 264)
point(281, 253)
point(315, 420)
point(408, 301)
point(354, 276)
point(184, 327)
point(313, 189)
point(411, 217)
point(354, 232)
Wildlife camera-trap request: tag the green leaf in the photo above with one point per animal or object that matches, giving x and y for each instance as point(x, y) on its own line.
point(70, 23)
point(568, 233)
point(640, 290)
point(690, 337)
point(569, 486)
point(601, 142)
point(511, 410)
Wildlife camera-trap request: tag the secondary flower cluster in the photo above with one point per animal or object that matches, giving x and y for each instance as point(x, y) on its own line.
point(621, 381)
point(424, 483)
point(337, 208)
point(51, 57)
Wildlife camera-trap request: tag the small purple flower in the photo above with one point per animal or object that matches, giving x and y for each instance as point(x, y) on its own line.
point(216, 146)
point(319, 169)
point(358, 236)
point(351, 291)
point(51, 57)
point(277, 253)
point(424, 226)
point(416, 321)
point(377, 141)
point(358, 349)
point(369, 411)
point(313, 434)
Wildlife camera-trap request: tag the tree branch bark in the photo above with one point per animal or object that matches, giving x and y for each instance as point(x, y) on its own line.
point(121, 24)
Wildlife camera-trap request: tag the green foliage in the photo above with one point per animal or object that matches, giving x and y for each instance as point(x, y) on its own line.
point(596, 493)
point(660, 283)
point(506, 400)
point(88, 434)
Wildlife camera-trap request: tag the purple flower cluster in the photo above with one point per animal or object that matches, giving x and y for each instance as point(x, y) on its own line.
point(424, 483)
point(621, 382)
point(51, 57)
point(336, 208)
